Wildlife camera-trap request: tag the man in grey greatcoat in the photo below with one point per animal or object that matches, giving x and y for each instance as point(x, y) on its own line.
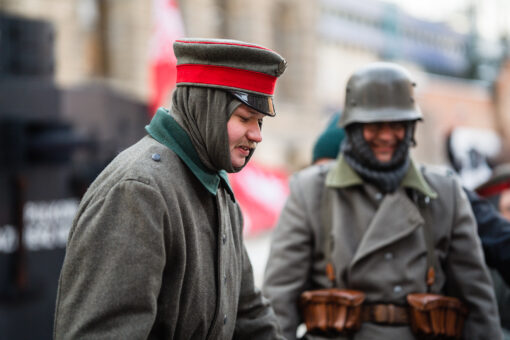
point(388, 226)
point(156, 248)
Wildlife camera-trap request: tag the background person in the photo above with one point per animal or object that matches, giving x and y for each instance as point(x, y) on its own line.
point(372, 202)
point(496, 191)
point(327, 146)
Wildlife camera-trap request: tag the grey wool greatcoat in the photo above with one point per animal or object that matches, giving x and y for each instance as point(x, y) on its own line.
point(378, 247)
point(150, 256)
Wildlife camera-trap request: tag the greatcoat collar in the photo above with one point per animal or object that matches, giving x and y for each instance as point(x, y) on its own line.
point(168, 132)
point(342, 175)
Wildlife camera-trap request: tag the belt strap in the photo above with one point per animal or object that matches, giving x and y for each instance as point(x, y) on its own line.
point(388, 314)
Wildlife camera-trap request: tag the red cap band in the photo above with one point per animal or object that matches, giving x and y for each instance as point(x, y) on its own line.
point(226, 76)
point(493, 189)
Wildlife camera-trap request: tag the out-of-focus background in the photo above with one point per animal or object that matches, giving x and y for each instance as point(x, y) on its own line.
point(79, 79)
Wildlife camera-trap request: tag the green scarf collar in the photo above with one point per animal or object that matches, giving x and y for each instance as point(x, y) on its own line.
point(342, 175)
point(168, 132)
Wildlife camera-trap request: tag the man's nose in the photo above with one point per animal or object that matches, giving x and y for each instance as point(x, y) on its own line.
point(254, 134)
point(385, 131)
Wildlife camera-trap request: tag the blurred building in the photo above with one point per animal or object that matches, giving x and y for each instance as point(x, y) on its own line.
point(106, 42)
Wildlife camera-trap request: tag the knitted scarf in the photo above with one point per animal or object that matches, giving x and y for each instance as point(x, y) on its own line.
point(385, 176)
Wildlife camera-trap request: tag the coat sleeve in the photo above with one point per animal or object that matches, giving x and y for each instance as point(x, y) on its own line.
point(112, 272)
point(255, 316)
point(468, 276)
point(289, 263)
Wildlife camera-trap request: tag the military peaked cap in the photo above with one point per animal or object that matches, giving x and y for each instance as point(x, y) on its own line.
point(498, 182)
point(246, 70)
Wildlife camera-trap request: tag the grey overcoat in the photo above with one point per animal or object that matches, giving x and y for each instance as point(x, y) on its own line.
point(150, 257)
point(379, 247)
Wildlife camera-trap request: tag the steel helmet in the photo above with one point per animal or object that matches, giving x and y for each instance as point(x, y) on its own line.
point(380, 92)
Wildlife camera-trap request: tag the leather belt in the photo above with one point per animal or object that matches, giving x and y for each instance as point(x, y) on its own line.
point(385, 314)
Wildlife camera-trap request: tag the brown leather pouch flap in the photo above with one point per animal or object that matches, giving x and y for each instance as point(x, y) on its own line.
point(344, 297)
point(427, 302)
point(348, 297)
point(315, 296)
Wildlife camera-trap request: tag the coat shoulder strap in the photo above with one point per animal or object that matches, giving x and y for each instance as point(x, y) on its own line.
point(423, 203)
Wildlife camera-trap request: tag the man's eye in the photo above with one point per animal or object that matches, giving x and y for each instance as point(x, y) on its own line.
point(260, 123)
point(397, 125)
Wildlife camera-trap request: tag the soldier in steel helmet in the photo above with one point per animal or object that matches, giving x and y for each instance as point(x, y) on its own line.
point(377, 225)
point(156, 249)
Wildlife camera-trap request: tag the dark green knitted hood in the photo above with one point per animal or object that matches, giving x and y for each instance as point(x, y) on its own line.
point(203, 113)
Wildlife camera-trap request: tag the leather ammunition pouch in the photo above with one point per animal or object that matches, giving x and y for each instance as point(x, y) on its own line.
point(435, 316)
point(330, 312)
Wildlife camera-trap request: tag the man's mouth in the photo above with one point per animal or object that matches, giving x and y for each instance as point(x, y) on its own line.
point(384, 148)
point(246, 149)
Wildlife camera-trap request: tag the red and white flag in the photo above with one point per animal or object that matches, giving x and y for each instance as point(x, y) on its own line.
point(167, 28)
point(261, 193)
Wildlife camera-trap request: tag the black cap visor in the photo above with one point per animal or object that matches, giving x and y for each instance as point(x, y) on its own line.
point(263, 104)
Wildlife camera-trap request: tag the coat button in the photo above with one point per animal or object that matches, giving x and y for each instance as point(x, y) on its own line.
point(388, 256)
point(156, 157)
point(224, 278)
point(225, 319)
point(397, 289)
point(378, 196)
point(224, 238)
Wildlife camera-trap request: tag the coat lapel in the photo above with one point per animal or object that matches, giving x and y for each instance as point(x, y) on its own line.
point(396, 217)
